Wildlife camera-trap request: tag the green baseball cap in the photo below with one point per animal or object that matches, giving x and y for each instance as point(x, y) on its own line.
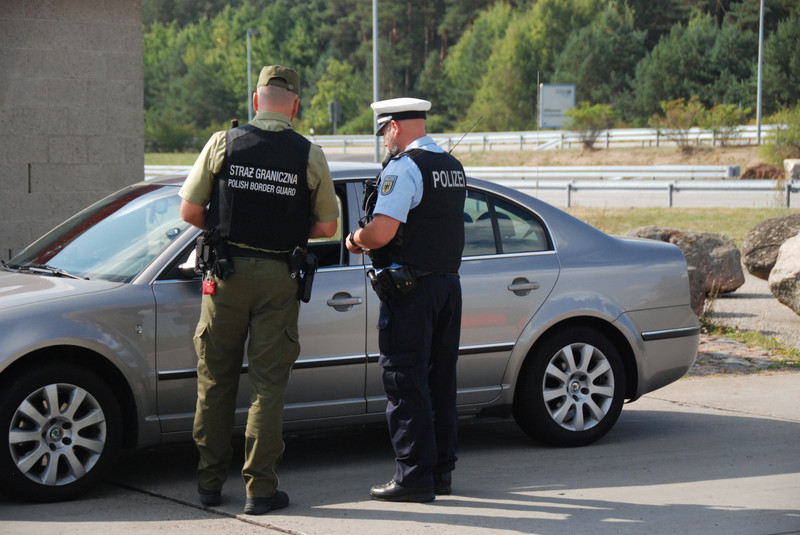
point(280, 76)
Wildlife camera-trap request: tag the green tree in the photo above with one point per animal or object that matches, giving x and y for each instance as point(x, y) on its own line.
point(469, 57)
point(600, 59)
point(724, 121)
point(507, 96)
point(745, 14)
point(342, 84)
point(657, 18)
point(467, 61)
point(459, 15)
point(591, 121)
point(698, 59)
point(784, 142)
point(679, 117)
point(781, 70)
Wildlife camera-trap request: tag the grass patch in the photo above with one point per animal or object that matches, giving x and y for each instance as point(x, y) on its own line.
point(733, 223)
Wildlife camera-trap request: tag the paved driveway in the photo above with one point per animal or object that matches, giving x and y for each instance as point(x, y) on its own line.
point(711, 455)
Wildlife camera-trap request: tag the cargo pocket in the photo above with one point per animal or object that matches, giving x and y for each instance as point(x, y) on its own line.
point(292, 344)
point(199, 340)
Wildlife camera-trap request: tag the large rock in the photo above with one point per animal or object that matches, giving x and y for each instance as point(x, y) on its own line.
point(784, 279)
point(713, 260)
point(763, 171)
point(761, 244)
point(792, 168)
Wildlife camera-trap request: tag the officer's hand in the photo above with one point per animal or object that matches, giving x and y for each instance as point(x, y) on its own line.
point(351, 245)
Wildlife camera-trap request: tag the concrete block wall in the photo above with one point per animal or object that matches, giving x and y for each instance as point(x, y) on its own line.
point(71, 110)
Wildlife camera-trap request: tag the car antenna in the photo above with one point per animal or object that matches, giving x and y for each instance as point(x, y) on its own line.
point(465, 134)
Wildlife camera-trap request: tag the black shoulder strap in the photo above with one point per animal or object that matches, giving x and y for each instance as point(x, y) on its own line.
point(233, 133)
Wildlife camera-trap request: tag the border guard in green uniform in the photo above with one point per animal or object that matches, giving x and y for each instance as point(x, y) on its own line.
point(260, 191)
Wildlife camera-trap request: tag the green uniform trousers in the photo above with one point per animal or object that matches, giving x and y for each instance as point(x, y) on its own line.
point(260, 301)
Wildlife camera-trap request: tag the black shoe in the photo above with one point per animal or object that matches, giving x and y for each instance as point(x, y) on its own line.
point(393, 492)
point(442, 483)
point(262, 506)
point(209, 498)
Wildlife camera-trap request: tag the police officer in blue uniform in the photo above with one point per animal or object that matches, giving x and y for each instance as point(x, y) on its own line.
point(415, 238)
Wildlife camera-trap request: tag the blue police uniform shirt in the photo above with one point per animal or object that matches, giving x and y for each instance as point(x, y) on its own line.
point(400, 188)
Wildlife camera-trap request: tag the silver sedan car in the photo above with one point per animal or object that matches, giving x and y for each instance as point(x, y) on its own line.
point(561, 324)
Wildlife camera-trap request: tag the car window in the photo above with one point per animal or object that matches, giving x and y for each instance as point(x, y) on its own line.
point(115, 238)
point(496, 226)
point(331, 251)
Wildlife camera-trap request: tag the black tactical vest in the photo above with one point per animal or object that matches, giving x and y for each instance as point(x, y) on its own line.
point(432, 238)
point(261, 196)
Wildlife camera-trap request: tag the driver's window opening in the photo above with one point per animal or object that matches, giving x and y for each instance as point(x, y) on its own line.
point(330, 251)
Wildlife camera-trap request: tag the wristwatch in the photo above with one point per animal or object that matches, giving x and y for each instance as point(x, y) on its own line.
point(350, 238)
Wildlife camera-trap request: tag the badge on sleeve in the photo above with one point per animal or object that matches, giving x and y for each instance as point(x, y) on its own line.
point(388, 184)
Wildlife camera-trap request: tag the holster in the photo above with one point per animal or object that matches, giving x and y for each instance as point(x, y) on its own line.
point(303, 265)
point(391, 283)
point(212, 255)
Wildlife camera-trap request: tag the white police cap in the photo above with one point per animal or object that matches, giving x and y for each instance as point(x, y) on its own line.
point(397, 109)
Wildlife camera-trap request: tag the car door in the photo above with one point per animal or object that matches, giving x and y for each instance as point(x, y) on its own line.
point(508, 269)
point(328, 378)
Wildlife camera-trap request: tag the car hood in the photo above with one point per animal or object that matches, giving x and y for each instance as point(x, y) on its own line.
point(18, 289)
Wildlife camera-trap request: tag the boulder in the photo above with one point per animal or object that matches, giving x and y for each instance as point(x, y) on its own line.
point(784, 279)
point(713, 261)
point(761, 244)
point(792, 168)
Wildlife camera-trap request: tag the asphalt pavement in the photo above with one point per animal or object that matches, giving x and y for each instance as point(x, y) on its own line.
point(710, 455)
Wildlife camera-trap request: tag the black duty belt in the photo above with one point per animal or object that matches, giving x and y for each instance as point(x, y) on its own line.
point(234, 250)
point(419, 273)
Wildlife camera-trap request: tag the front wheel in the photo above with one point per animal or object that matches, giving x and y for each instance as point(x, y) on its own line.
point(63, 431)
point(571, 389)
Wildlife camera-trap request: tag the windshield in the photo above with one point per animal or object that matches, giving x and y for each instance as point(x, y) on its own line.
point(113, 239)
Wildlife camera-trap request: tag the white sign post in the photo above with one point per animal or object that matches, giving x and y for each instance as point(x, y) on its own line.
point(554, 100)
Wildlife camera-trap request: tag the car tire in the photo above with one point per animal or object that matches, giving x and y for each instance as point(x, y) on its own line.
point(571, 388)
point(63, 431)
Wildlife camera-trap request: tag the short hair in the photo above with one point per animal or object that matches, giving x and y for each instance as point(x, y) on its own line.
point(276, 95)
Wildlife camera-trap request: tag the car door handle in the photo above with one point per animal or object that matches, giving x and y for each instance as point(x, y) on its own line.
point(522, 286)
point(344, 301)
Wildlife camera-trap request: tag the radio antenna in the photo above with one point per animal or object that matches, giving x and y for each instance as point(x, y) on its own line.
point(465, 134)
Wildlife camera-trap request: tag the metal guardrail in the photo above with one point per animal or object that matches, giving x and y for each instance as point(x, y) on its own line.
point(558, 139)
point(606, 172)
point(668, 187)
point(597, 179)
point(588, 172)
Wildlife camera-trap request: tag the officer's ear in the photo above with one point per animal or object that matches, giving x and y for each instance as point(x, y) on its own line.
point(255, 101)
point(295, 107)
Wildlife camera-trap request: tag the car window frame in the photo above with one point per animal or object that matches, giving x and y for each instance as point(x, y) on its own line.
point(492, 199)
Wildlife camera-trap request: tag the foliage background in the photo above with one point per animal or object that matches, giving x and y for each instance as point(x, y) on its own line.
point(469, 57)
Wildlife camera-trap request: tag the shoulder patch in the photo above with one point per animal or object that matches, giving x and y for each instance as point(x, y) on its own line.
point(387, 185)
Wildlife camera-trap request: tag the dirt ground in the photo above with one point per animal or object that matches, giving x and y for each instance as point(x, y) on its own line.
point(744, 157)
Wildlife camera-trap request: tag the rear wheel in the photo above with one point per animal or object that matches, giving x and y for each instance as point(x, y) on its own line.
point(63, 432)
point(571, 389)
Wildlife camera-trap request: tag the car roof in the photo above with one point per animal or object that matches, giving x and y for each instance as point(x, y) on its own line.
point(343, 170)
